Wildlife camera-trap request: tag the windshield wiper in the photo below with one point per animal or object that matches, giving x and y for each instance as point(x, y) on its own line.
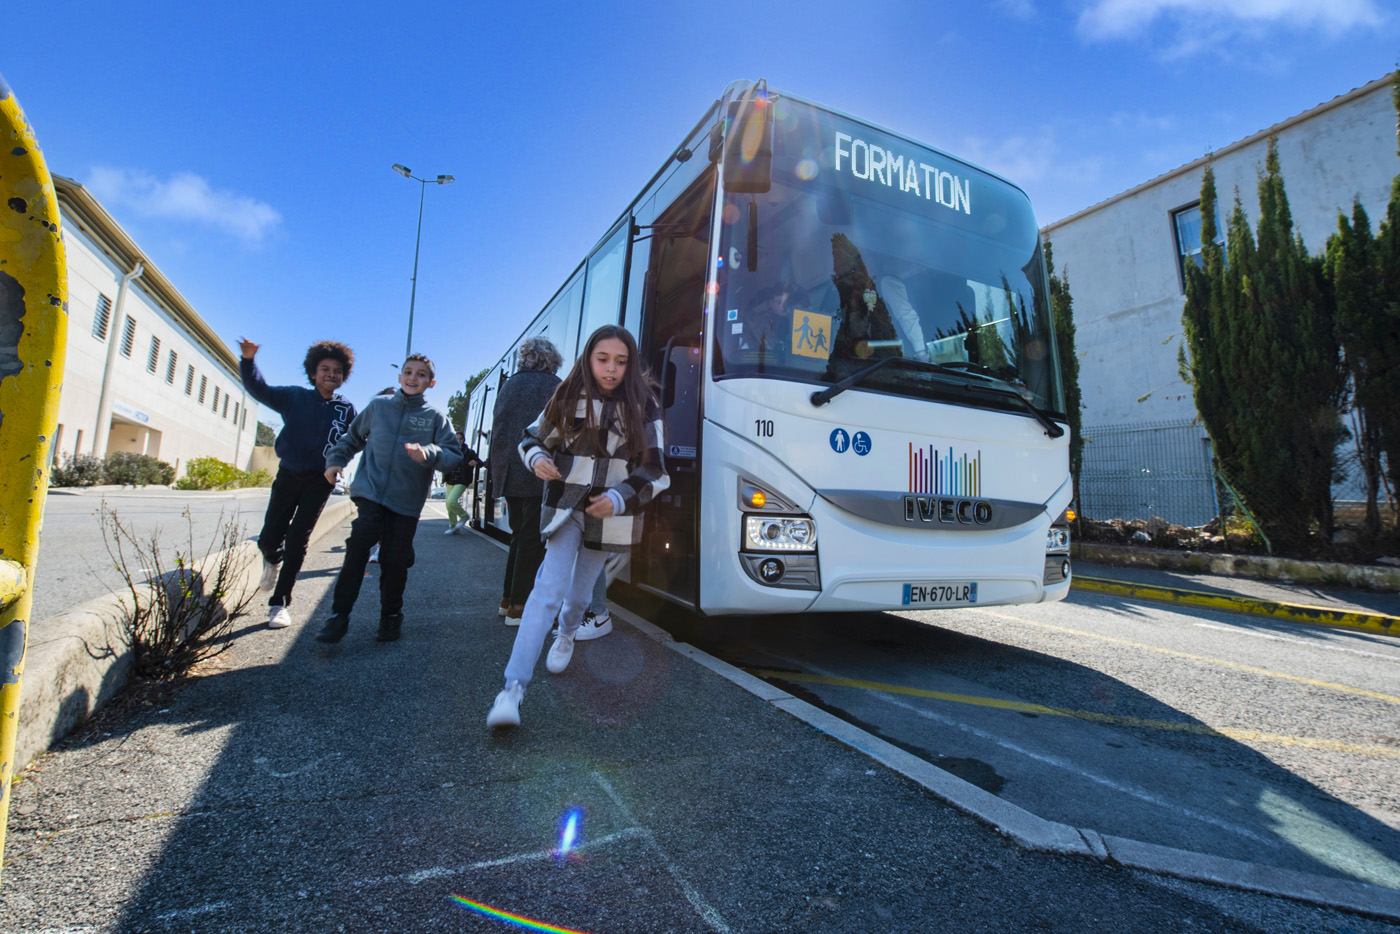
point(835, 389)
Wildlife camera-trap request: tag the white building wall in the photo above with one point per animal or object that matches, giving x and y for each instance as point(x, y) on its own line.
point(149, 415)
point(1120, 256)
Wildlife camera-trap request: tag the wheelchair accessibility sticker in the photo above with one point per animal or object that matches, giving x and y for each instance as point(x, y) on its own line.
point(841, 441)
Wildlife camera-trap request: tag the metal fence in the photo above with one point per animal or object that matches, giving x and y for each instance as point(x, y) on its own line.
point(1148, 469)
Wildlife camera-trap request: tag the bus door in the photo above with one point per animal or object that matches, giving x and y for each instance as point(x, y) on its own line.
point(670, 341)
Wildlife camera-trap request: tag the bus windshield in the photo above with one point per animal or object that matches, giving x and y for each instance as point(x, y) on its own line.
point(869, 246)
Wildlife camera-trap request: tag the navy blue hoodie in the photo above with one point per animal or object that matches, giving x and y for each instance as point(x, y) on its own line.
point(311, 423)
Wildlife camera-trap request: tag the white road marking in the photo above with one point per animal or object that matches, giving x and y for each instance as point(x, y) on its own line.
point(703, 908)
point(1139, 793)
point(192, 912)
point(438, 872)
point(1309, 643)
point(261, 762)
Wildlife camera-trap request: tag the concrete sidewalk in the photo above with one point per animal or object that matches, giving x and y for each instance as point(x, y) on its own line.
point(303, 787)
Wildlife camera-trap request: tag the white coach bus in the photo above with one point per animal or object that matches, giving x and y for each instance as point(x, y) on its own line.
point(857, 362)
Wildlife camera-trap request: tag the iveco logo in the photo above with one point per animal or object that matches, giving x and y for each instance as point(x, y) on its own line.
point(940, 509)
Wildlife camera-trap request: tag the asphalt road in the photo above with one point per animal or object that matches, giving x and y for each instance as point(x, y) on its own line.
point(303, 787)
point(74, 565)
point(1253, 739)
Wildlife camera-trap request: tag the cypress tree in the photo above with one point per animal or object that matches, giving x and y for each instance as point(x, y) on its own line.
point(1369, 343)
point(1266, 371)
point(1062, 311)
point(1386, 402)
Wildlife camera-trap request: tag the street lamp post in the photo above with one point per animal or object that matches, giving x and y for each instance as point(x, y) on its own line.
point(422, 189)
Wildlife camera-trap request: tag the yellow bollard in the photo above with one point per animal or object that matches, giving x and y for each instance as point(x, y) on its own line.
point(33, 340)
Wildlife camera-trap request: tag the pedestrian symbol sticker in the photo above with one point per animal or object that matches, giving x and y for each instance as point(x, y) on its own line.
point(811, 335)
point(840, 441)
point(860, 443)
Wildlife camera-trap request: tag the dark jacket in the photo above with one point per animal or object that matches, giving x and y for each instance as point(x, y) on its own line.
point(311, 424)
point(521, 400)
point(387, 475)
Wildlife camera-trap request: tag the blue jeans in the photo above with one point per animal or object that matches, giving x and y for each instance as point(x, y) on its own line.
point(563, 588)
point(599, 603)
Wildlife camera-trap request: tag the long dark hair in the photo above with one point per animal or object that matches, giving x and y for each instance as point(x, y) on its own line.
point(637, 396)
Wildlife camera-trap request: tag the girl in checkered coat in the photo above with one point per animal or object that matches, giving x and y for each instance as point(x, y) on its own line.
point(597, 446)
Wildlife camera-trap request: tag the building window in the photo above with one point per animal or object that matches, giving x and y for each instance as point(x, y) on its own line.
point(216, 399)
point(101, 317)
point(189, 381)
point(153, 358)
point(128, 336)
point(224, 414)
point(203, 386)
point(235, 413)
point(1186, 224)
point(170, 368)
point(244, 423)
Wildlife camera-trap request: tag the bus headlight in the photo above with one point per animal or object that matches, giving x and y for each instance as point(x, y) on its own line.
point(779, 533)
point(1057, 540)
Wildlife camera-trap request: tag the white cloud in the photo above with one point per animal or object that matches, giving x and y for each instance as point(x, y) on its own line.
point(185, 197)
point(1195, 20)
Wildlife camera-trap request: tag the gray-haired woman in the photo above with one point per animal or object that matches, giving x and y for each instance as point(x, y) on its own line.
point(521, 400)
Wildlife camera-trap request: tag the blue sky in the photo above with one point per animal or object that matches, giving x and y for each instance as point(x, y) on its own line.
point(247, 146)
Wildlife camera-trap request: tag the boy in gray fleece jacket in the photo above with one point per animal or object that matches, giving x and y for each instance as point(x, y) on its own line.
point(404, 440)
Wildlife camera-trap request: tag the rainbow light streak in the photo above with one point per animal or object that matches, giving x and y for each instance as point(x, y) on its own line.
point(521, 920)
point(568, 835)
point(944, 474)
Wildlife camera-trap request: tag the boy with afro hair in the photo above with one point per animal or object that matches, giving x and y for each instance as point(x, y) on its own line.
point(313, 420)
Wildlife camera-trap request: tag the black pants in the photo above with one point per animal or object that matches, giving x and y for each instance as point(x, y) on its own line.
point(526, 547)
point(394, 533)
point(293, 507)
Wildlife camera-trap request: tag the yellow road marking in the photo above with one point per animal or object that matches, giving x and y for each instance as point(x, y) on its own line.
point(1198, 729)
point(1345, 689)
point(1370, 622)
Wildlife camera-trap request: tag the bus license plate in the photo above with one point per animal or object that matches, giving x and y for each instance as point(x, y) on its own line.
point(947, 593)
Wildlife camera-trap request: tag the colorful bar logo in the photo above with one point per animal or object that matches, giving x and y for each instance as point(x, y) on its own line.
point(944, 474)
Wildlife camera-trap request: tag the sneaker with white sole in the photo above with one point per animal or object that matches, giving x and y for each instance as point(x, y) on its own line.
point(278, 617)
point(560, 652)
point(594, 626)
point(374, 555)
point(269, 575)
point(506, 710)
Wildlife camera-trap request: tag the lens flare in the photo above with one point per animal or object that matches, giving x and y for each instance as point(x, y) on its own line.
point(568, 834)
point(807, 169)
point(521, 920)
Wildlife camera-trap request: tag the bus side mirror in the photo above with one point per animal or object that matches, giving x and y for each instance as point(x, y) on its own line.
point(748, 145)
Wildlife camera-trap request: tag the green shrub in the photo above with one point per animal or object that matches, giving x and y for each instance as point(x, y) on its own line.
point(129, 469)
point(76, 470)
point(210, 473)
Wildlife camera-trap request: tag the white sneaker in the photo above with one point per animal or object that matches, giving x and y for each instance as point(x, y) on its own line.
point(269, 575)
point(278, 617)
point(560, 652)
point(374, 555)
point(452, 530)
point(506, 710)
point(594, 626)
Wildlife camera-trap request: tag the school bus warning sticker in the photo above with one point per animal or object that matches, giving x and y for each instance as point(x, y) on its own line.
point(811, 335)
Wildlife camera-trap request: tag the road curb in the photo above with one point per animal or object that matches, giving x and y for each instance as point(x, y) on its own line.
point(75, 661)
point(1256, 567)
point(1300, 613)
point(1035, 833)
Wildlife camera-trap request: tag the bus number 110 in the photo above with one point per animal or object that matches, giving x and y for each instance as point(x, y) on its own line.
point(763, 427)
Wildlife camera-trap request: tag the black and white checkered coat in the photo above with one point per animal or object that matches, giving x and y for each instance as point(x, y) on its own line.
point(637, 481)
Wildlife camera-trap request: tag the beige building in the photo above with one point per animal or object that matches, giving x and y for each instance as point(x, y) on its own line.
point(145, 373)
